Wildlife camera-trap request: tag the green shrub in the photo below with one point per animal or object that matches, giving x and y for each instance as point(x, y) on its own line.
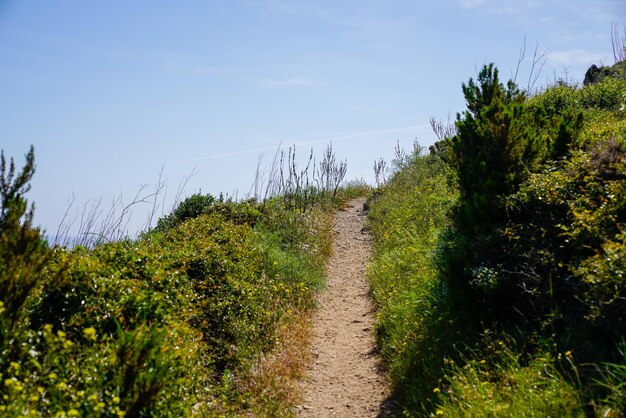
point(565, 239)
point(534, 248)
point(22, 250)
point(607, 95)
point(171, 324)
point(198, 204)
point(499, 141)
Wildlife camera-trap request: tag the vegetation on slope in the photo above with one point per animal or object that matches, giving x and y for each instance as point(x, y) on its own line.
point(205, 315)
point(499, 258)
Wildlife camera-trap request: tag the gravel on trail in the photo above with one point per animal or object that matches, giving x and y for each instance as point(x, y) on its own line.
point(345, 377)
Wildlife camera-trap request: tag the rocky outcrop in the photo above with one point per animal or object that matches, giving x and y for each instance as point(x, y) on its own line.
point(596, 74)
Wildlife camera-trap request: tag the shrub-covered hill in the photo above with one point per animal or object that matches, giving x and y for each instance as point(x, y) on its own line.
point(205, 315)
point(500, 258)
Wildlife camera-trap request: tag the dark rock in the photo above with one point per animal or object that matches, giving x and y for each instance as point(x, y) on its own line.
point(596, 74)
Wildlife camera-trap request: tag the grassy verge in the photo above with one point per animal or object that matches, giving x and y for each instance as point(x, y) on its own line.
point(440, 359)
point(407, 219)
point(499, 258)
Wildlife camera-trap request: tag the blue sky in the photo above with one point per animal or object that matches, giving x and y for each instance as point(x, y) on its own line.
point(109, 92)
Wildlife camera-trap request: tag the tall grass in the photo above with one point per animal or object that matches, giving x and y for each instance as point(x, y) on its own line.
point(299, 187)
point(407, 218)
point(508, 386)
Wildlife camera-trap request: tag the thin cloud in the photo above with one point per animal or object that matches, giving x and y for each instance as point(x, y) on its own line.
point(344, 137)
point(291, 82)
point(373, 30)
point(576, 56)
point(311, 10)
point(470, 4)
point(381, 32)
point(184, 69)
point(500, 7)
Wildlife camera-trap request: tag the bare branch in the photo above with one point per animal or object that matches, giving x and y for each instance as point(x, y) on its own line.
point(380, 172)
point(158, 188)
point(64, 226)
point(618, 43)
point(442, 129)
point(538, 60)
point(181, 187)
point(522, 54)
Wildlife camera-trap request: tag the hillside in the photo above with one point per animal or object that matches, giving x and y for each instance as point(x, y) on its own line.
point(500, 255)
point(497, 274)
point(203, 315)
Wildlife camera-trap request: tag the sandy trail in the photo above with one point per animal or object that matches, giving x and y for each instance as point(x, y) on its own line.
point(345, 378)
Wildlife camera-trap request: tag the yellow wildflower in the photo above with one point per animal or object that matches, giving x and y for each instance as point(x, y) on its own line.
point(90, 333)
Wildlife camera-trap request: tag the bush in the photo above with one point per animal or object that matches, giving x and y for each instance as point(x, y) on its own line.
point(22, 249)
point(533, 254)
point(607, 95)
point(565, 239)
point(198, 204)
point(171, 324)
point(499, 141)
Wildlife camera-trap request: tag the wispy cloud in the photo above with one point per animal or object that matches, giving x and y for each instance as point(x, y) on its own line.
point(373, 29)
point(291, 82)
point(577, 56)
point(501, 7)
point(469, 4)
point(381, 32)
point(301, 8)
point(335, 138)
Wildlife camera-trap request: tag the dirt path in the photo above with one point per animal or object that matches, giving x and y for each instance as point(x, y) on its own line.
point(344, 379)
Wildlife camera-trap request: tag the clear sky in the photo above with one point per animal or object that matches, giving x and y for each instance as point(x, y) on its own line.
point(108, 92)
